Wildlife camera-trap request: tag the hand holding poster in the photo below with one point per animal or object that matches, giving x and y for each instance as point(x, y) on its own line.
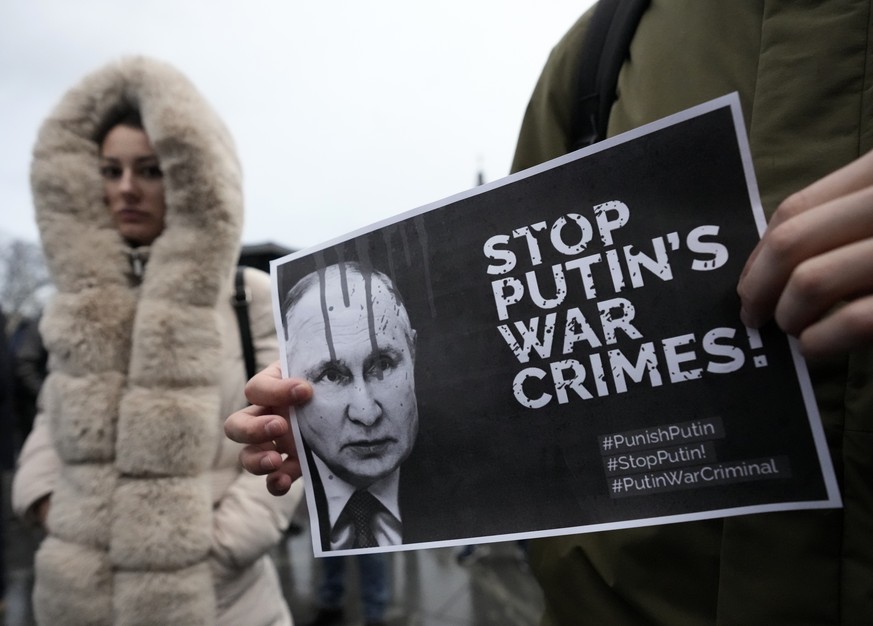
point(556, 352)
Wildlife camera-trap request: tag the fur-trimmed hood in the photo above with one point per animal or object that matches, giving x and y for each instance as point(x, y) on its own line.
point(132, 397)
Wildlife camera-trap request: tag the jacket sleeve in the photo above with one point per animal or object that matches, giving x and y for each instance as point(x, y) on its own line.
point(38, 468)
point(546, 127)
point(248, 520)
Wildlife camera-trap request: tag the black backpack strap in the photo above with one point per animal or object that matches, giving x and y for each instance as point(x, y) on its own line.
point(606, 47)
point(241, 299)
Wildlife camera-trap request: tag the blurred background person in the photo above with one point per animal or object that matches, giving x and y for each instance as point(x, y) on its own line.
point(373, 570)
point(149, 518)
point(7, 450)
point(29, 367)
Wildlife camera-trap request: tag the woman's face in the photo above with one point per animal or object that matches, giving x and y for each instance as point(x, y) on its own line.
point(133, 184)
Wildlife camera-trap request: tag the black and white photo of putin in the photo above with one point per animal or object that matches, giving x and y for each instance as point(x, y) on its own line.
point(349, 334)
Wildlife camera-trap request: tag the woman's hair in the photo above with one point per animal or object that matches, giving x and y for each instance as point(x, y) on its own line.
point(122, 116)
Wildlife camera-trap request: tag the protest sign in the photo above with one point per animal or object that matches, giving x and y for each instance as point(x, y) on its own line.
point(579, 361)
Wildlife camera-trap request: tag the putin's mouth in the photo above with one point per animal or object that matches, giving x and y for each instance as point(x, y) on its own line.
point(369, 447)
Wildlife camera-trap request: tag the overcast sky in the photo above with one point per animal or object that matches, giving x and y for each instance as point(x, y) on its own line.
point(344, 112)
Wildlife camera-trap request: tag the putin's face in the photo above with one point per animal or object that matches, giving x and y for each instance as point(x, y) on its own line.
point(353, 342)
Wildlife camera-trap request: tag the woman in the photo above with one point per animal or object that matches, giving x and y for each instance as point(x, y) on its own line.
point(149, 518)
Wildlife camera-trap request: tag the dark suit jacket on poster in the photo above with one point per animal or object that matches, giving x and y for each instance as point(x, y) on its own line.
point(425, 511)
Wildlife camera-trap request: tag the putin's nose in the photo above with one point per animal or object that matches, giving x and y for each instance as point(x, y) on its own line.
point(363, 407)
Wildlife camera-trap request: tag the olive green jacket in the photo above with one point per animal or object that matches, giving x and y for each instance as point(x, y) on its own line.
point(804, 73)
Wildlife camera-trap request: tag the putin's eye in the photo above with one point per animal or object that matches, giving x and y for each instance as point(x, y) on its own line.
point(381, 364)
point(332, 374)
point(384, 363)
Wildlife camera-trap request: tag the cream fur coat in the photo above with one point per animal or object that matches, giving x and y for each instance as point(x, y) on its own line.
point(152, 520)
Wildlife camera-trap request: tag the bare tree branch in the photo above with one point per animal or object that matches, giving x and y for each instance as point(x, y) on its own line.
point(23, 278)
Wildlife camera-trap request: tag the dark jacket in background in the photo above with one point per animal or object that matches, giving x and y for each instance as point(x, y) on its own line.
point(29, 363)
point(7, 390)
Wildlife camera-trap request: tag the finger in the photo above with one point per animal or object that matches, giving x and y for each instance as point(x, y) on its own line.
point(279, 395)
point(821, 283)
point(285, 443)
point(260, 460)
point(841, 331)
point(255, 425)
point(278, 483)
point(842, 182)
point(291, 468)
point(794, 205)
point(847, 180)
point(267, 388)
point(785, 246)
